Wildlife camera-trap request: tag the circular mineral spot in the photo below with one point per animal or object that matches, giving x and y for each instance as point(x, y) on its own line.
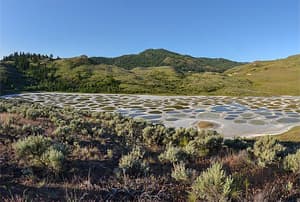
point(232, 115)
point(151, 117)
point(240, 121)
point(71, 103)
point(200, 110)
point(265, 113)
point(229, 118)
point(135, 103)
point(79, 105)
point(221, 109)
point(178, 107)
point(155, 112)
point(109, 108)
point(187, 110)
point(82, 99)
point(182, 103)
point(292, 106)
point(207, 103)
point(257, 122)
point(92, 104)
point(293, 114)
point(180, 115)
point(208, 115)
point(207, 125)
point(168, 110)
point(288, 120)
point(235, 112)
point(172, 119)
point(173, 112)
point(137, 107)
point(247, 115)
point(271, 117)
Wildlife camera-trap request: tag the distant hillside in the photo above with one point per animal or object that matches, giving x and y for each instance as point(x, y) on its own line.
point(162, 57)
point(276, 77)
point(34, 72)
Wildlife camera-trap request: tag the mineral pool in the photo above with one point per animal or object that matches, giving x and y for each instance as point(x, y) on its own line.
point(230, 116)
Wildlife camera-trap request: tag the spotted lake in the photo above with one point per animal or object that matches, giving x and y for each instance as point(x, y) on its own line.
point(231, 116)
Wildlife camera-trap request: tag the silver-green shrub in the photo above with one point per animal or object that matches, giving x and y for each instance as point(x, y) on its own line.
point(32, 113)
point(182, 136)
point(154, 134)
point(266, 149)
point(33, 130)
point(292, 162)
point(212, 185)
point(204, 144)
point(40, 151)
point(62, 130)
point(32, 147)
point(133, 162)
point(172, 154)
point(180, 172)
point(53, 159)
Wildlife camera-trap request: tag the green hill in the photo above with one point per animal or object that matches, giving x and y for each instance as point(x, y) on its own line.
point(157, 73)
point(162, 57)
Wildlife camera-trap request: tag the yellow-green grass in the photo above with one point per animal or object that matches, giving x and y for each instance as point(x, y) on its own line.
point(214, 84)
point(277, 77)
point(293, 135)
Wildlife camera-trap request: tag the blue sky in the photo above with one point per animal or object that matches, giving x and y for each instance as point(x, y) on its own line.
point(234, 29)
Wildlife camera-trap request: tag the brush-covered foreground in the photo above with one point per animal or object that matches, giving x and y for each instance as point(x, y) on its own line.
point(55, 154)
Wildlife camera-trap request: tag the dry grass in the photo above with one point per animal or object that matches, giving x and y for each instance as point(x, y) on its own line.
point(293, 135)
point(238, 162)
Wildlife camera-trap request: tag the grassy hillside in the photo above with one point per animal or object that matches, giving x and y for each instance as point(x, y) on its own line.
point(93, 75)
point(276, 77)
